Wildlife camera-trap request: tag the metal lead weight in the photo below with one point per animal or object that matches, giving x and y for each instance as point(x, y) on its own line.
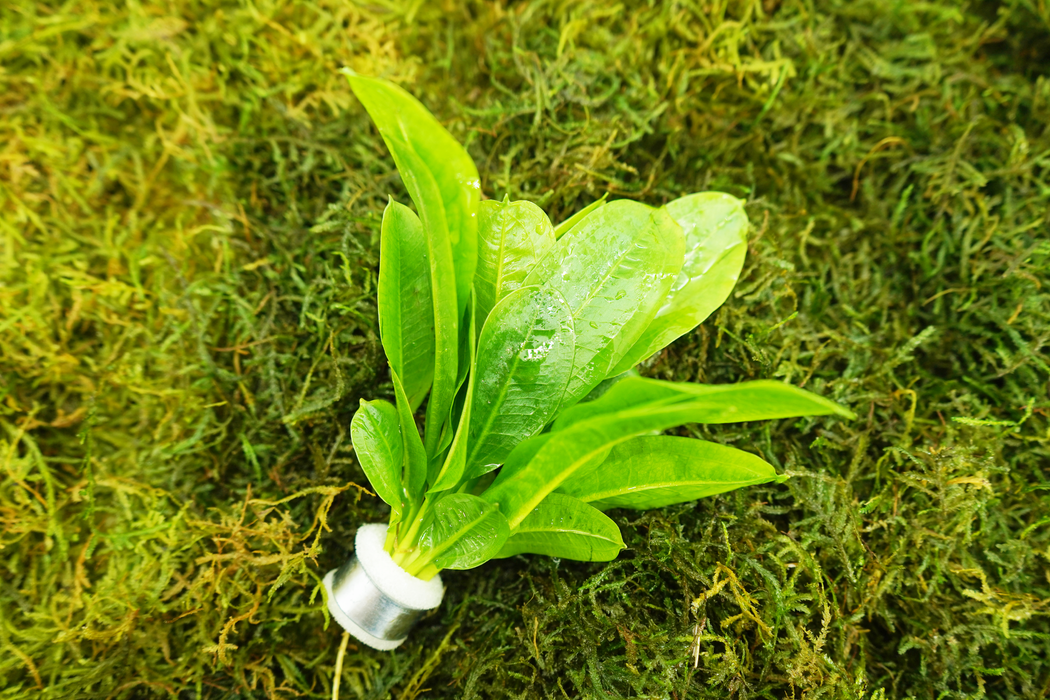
point(373, 598)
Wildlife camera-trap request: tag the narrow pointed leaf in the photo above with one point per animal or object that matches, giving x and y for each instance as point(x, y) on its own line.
point(608, 383)
point(614, 270)
point(524, 361)
point(438, 173)
point(443, 183)
point(715, 228)
point(720, 403)
point(567, 225)
point(406, 308)
point(512, 237)
point(467, 345)
point(656, 471)
point(562, 526)
point(618, 416)
point(455, 463)
point(376, 434)
point(463, 532)
point(414, 475)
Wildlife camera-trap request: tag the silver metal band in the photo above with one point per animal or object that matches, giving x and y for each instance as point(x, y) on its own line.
point(368, 607)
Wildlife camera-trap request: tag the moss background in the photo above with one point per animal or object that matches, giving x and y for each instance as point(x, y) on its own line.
point(189, 216)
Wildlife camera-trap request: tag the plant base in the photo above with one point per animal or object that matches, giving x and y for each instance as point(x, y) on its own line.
point(373, 598)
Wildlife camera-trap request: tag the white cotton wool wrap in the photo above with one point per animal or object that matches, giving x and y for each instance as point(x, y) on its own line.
point(409, 593)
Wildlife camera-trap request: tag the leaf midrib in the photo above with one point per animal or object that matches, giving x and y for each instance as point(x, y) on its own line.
point(598, 496)
point(458, 535)
point(563, 531)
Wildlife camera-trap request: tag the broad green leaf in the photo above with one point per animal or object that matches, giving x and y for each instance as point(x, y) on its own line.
point(636, 407)
point(455, 462)
point(376, 434)
point(613, 269)
point(512, 237)
point(562, 526)
point(566, 226)
point(414, 477)
point(524, 361)
point(656, 471)
point(406, 308)
point(715, 228)
point(463, 532)
point(443, 183)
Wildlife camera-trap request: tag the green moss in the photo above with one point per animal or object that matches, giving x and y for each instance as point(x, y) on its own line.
point(189, 212)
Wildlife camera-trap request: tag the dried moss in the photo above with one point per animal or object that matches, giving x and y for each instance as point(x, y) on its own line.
point(189, 209)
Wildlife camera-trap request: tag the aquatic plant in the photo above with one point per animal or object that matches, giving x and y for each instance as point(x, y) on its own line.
point(522, 337)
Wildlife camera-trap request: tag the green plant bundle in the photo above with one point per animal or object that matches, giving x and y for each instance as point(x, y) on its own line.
point(521, 337)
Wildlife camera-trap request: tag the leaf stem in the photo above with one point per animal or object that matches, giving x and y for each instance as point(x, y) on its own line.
point(407, 546)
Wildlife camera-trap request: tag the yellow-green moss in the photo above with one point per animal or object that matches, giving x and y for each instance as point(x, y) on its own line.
point(189, 210)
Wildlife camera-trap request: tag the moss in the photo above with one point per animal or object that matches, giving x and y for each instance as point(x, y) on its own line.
point(189, 208)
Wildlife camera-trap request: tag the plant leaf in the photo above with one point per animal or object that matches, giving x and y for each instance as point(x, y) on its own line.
point(562, 526)
point(614, 270)
point(524, 361)
point(438, 173)
point(566, 226)
point(714, 403)
point(467, 346)
point(656, 471)
point(463, 532)
point(443, 183)
point(525, 450)
point(376, 434)
point(406, 308)
point(512, 237)
point(608, 383)
point(715, 228)
point(456, 460)
point(636, 407)
point(414, 478)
